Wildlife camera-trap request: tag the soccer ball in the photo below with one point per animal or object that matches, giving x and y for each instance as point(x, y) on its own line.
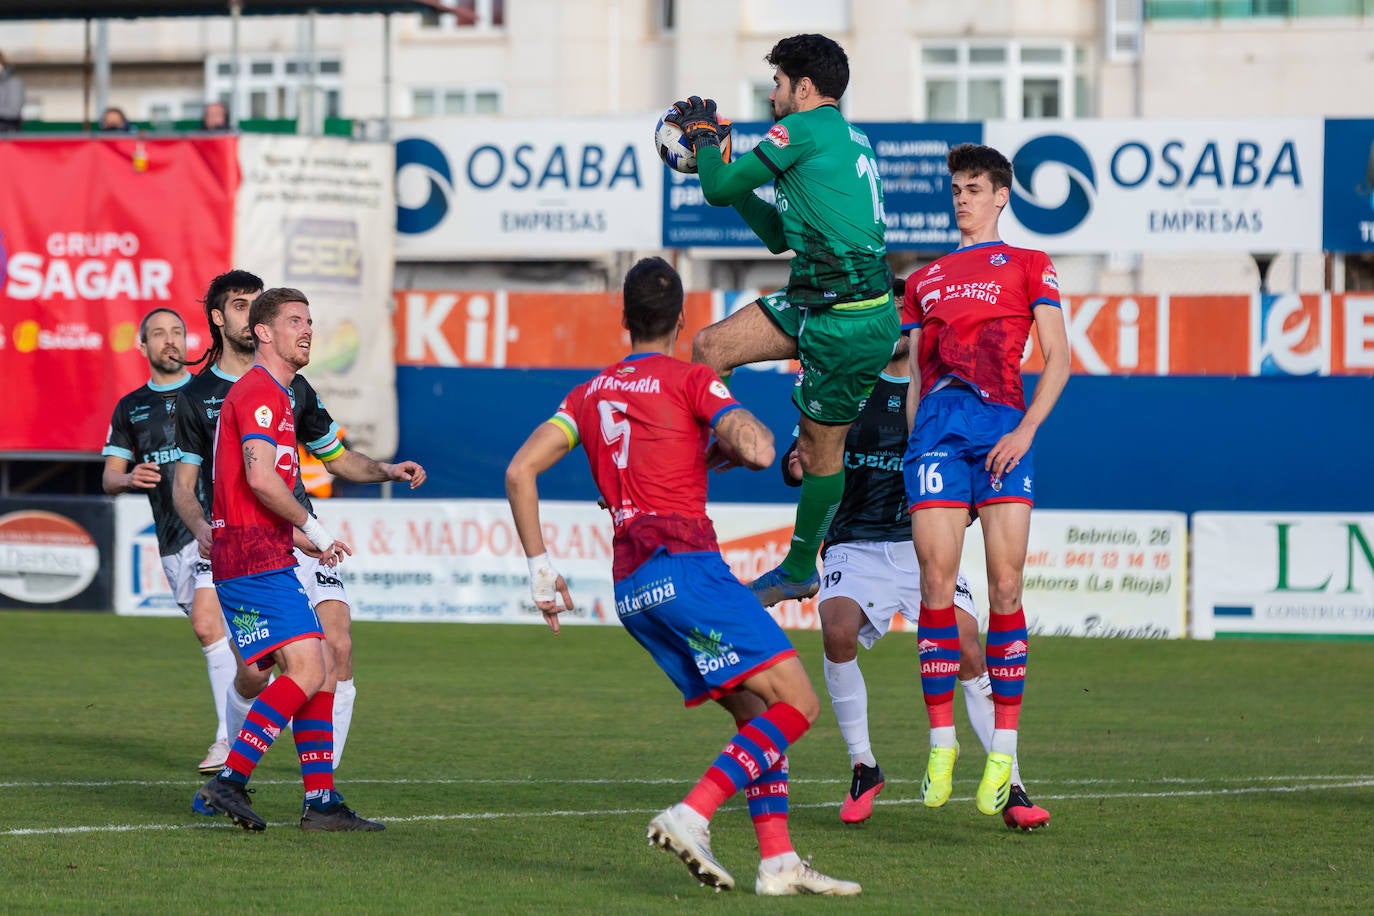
point(672, 146)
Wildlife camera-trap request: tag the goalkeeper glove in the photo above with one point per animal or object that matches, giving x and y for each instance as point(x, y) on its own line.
point(698, 120)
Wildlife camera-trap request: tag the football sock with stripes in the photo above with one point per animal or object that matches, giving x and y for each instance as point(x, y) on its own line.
point(820, 497)
point(748, 756)
point(937, 640)
point(313, 731)
point(268, 716)
point(768, 797)
point(1007, 653)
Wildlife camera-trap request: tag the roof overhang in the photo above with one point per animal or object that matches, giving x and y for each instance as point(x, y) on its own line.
point(139, 9)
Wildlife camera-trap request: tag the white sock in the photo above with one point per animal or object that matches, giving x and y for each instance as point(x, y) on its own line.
point(344, 693)
point(849, 697)
point(1004, 741)
point(235, 712)
point(689, 817)
point(978, 703)
point(776, 865)
point(943, 737)
point(220, 664)
point(982, 716)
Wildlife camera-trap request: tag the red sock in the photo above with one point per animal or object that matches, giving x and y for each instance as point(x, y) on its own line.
point(755, 749)
point(937, 641)
point(1007, 652)
point(314, 734)
point(767, 797)
point(268, 715)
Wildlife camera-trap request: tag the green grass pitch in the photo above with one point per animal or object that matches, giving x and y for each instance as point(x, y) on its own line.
point(517, 770)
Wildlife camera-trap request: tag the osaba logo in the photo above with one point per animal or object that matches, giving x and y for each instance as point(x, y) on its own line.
point(1045, 155)
point(777, 135)
point(423, 156)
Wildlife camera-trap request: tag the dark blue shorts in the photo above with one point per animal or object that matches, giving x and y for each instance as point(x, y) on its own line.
point(954, 432)
point(265, 612)
point(705, 629)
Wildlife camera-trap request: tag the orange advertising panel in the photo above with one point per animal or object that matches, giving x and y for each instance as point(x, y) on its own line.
point(535, 330)
point(1224, 335)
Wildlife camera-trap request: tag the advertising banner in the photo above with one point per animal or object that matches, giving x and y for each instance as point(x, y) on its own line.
point(1096, 574)
point(140, 585)
point(88, 246)
point(56, 552)
point(1240, 335)
point(526, 188)
point(1096, 186)
point(316, 214)
point(1348, 202)
point(1293, 574)
point(911, 164)
point(525, 330)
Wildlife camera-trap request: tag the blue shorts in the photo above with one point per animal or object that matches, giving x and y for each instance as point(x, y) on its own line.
point(705, 629)
point(265, 612)
point(955, 429)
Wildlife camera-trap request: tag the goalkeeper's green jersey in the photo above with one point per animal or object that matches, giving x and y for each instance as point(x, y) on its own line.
point(830, 201)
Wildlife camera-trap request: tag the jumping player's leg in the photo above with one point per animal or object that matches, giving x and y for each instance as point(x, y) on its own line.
point(746, 336)
point(1006, 532)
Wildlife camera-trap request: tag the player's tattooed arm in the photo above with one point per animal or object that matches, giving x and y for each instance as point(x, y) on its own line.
point(249, 459)
point(742, 439)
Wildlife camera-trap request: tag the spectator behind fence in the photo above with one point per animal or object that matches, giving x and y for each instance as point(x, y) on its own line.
point(112, 119)
point(215, 118)
point(11, 97)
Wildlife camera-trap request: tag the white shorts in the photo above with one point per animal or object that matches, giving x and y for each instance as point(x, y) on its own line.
point(321, 583)
point(883, 579)
point(186, 571)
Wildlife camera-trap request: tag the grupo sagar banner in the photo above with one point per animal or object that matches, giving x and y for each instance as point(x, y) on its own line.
point(94, 234)
point(1221, 335)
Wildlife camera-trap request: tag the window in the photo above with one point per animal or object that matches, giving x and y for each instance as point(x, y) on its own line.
point(165, 107)
point(1123, 30)
point(275, 86)
point(1014, 80)
point(429, 102)
point(469, 15)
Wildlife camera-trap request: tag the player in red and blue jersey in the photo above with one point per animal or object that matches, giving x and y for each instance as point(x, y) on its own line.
point(266, 609)
point(969, 314)
point(646, 425)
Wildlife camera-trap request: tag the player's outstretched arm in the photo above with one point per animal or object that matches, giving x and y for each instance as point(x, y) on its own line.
point(545, 447)
point(744, 439)
point(358, 468)
point(188, 506)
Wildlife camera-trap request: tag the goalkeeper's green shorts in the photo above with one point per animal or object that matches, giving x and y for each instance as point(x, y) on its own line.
point(842, 349)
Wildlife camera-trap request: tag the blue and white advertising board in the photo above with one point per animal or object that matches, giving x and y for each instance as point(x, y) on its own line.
point(1163, 185)
point(532, 189)
point(1348, 205)
point(911, 164)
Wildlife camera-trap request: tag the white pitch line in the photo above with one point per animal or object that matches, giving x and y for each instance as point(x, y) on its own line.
point(216, 823)
point(1037, 783)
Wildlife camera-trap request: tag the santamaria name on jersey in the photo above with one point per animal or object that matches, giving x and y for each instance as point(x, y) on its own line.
point(645, 385)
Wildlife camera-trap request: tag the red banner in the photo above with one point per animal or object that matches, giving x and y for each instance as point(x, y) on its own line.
point(94, 234)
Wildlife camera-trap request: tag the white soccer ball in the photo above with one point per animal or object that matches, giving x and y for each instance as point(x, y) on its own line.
point(672, 146)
